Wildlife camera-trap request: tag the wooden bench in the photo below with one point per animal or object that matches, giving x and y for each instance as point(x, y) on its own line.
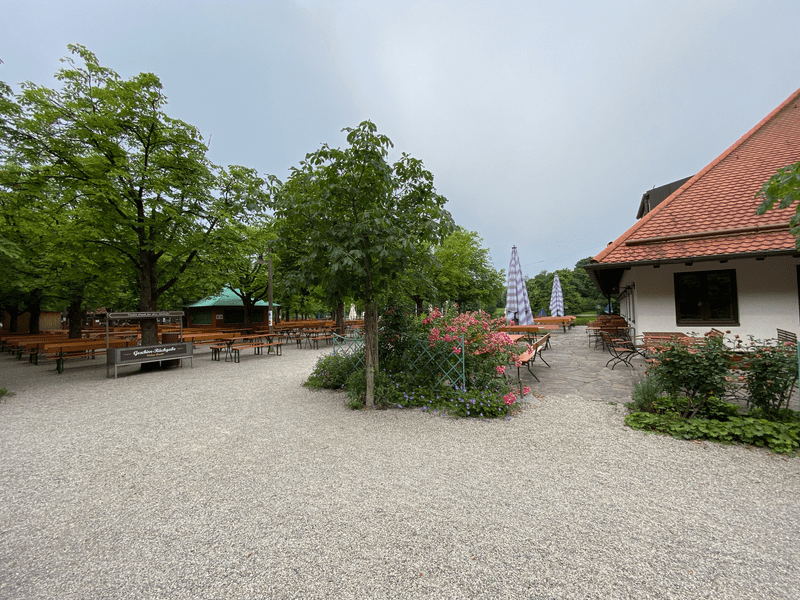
point(78, 348)
point(529, 356)
point(33, 347)
point(201, 339)
point(217, 349)
point(258, 348)
point(18, 343)
point(324, 338)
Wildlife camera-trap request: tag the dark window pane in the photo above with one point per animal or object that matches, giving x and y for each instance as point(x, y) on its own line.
point(706, 297)
point(690, 294)
point(234, 315)
point(719, 296)
point(201, 318)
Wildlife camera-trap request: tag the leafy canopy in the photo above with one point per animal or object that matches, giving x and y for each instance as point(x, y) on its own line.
point(783, 189)
point(353, 221)
point(357, 217)
point(135, 185)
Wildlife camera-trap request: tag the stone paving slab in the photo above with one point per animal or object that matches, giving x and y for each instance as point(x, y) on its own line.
point(578, 368)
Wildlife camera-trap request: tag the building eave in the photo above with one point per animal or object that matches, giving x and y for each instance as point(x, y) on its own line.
point(604, 283)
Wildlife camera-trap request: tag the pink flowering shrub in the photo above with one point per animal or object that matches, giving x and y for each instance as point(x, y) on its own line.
point(414, 378)
point(487, 350)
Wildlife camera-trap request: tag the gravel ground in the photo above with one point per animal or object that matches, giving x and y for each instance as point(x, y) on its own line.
point(234, 481)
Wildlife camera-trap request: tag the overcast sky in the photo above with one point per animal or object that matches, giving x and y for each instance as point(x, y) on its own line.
point(542, 122)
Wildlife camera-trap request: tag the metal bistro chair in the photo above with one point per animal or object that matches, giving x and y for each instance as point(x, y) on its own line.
point(621, 351)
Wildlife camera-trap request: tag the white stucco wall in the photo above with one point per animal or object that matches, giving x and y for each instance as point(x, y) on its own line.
point(767, 291)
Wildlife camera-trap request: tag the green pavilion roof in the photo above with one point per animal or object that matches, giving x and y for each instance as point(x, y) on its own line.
point(225, 298)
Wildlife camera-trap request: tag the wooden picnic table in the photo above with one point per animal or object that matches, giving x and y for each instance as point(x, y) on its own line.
point(653, 339)
point(529, 332)
point(206, 338)
point(313, 336)
point(13, 342)
point(553, 323)
point(257, 341)
point(520, 328)
point(79, 348)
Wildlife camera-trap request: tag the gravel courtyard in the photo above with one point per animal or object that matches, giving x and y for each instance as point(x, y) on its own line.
point(234, 481)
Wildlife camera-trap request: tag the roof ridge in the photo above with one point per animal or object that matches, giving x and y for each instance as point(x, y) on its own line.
point(671, 198)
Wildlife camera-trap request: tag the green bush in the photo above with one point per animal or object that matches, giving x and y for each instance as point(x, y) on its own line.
point(399, 327)
point(771, 376)
point(487, 403)
point(781, 415)
point(697, 371)
point(645, 395)
point(386, 393)
point(712, 408)
point(404, 380)
point(584, 319)
point(399, 391)
point(332, 371)
point(779, 437)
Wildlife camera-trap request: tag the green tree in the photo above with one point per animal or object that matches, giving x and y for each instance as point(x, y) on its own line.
point(783, 188)
point(465, 273)
point(539, 288)
point(590, 296)
point(247, 271)
point(580, 294)
point(138, 180)
point(417, 283)
point(362, 219)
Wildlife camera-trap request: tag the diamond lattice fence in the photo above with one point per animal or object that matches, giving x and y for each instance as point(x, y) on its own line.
point(438, 363)
point(434, 363)
point(350, 347)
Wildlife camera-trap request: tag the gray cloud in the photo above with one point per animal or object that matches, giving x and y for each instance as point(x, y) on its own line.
point(542, 122)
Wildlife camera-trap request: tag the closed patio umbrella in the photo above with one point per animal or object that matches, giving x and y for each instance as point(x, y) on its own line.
point(556, 299)
point(517, 303)
point(352, 316)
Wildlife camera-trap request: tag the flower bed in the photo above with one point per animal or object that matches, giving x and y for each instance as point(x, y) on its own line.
point(473, 339)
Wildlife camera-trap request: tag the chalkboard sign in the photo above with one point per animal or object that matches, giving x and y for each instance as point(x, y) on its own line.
point(142, 354)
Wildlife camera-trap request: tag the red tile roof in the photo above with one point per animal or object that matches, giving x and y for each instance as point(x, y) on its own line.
point(714, 213)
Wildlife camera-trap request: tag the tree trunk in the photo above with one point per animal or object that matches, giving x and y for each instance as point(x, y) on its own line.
point(75, 319)
point(418, 302)
point(270, 318)
point(370, 353)
point(148, 300)
point(13, 318)
point(35, 310)
point(249, 306)
point(340, 317)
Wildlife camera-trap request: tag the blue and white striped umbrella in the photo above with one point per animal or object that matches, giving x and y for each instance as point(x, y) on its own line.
point(517, 303)
point(556, 299)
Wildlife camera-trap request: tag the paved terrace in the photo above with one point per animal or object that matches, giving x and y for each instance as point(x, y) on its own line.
point(578, 369)
point(234, 481)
